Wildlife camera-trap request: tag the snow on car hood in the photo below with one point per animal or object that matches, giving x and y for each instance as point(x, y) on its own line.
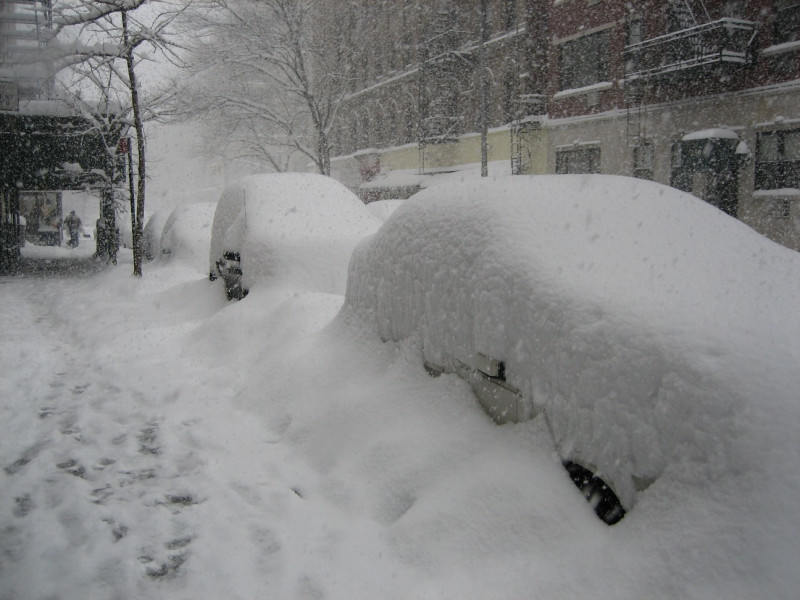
point(646, 324)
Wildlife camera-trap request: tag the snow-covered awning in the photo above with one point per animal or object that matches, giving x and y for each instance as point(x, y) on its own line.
point(711, 134)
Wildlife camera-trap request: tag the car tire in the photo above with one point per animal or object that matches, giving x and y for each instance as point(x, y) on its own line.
point(598, 494)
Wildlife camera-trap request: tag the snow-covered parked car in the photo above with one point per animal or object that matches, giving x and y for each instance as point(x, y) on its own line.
point(187, 233)
point(290, 230)
point(383, 209)
point(151, 234)
point(656, 336)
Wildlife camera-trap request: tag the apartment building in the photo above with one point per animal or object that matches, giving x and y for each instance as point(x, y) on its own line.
point(703, 96)
point(25, 28)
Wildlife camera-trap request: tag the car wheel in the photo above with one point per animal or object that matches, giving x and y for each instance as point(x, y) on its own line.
point(598, 494)
point(235, 290)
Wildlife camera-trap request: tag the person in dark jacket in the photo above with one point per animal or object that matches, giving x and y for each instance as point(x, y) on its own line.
point(73, 223)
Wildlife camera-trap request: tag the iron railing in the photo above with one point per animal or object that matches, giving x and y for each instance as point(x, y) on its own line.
point(725, 40)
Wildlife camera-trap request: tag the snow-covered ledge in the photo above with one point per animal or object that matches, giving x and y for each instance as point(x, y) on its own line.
point(781, 48)
point(579, 144)
point(778, 193)
point(596, 87)
point(725, 133)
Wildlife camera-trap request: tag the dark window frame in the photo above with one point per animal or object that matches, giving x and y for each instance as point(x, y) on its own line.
point(777, 164)
point(786, 27)
point(578, 160)
point(644, 160)
point(584, 61)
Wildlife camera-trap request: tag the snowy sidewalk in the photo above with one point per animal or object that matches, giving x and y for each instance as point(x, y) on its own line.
point(104, 467)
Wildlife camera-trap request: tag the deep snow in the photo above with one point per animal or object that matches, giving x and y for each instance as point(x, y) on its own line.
point(160, 442)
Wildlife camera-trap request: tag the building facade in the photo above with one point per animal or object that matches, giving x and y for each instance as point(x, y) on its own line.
point(703, 96)
point(41, 139)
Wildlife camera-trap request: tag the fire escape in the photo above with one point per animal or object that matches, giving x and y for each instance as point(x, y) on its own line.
point(26, 26)
point(442, 69)
point(530, 108)
point(525, 129)
point(694, 42)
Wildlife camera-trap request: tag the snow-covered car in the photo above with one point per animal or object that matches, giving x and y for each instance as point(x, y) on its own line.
point(151, 234)
point(291, 230)
point(653, 333)
point(383, 209)
point(187, 233)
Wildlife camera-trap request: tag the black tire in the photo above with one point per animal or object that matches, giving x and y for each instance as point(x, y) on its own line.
point(598, 494)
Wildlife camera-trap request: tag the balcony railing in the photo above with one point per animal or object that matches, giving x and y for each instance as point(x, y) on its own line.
point(723, 41)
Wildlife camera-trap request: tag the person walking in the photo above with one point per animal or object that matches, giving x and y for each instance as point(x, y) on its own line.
point(73, 223)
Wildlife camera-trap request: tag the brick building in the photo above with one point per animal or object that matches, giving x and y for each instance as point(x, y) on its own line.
point(704, 96)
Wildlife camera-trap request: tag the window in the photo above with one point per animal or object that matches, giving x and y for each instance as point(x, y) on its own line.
point(677, 155)
point(584, 61)
point(778, 160)
point(779, 209)
point(511, 14)
point(583, 160)
point(736, 9)
point(643, 158)
point(634, 35)
point(783, 66)
point(787, 21)
point(509, 100)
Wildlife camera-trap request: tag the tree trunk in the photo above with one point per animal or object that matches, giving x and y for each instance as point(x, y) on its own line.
point(131, 190)
point(138, 245)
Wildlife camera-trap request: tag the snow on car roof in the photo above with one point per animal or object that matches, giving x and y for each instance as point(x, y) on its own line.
point(151, 233)
point(644, 321)
point(600, 238)
point(299, 226)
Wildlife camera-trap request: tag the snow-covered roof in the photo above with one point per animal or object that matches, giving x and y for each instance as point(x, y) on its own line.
point(45, 108)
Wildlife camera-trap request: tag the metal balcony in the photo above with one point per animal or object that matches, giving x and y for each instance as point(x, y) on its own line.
point(723, 41)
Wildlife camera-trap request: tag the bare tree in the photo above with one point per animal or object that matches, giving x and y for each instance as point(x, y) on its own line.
point(272, 74)
point(104, 41)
